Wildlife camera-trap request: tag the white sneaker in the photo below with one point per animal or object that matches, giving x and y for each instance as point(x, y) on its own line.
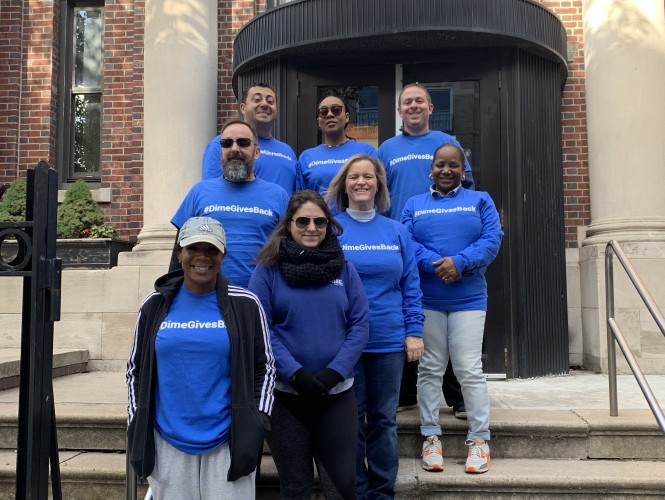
point(432, 455)
point(478, 459)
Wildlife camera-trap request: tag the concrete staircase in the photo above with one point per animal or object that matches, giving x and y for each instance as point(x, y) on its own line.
point(536, 454)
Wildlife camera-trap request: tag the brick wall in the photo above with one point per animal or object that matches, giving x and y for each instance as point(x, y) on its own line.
point(122, 125)
point(10, 78)
point(574, 137)
point(39, 87)
point(233, 15)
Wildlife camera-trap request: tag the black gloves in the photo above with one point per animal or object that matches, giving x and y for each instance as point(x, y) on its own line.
point(310, 385)
point(306, 384)
point(329, 378)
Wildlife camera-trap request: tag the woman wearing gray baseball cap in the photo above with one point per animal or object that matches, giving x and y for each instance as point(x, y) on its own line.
point(200, 376)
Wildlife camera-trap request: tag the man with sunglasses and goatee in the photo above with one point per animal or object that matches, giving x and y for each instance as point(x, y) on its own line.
point(248, 207)
point(277, 162)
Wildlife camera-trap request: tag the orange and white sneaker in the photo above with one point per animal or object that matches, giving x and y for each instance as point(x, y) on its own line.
point(432, 455)
point(478, 459)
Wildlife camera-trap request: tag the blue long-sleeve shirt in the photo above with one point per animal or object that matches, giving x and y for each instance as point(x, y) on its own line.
point(383, 255)
point(464, 226)
point(314, 327)
point(249, 211)
point(317, 166)
point(408, 161)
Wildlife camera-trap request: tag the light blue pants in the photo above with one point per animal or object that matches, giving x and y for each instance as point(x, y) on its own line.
point(178, 475)
point(458, 335)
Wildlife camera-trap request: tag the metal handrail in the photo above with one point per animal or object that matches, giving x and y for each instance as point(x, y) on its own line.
point(614, 332)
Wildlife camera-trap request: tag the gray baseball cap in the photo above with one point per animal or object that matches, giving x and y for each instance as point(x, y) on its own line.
point(202, 230)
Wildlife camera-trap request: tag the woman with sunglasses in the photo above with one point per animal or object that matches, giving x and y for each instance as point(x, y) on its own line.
point(317, 166)
point(383, 254)
point(317, 314)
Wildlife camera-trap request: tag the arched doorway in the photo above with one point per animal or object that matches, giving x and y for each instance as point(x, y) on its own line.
point(497, 84)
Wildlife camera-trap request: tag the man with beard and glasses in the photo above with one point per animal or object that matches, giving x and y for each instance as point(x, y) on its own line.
point(277, 162)
point(248, 207)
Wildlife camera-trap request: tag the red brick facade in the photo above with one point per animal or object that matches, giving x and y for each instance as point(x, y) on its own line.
point(577, 204)
point(28, 89)
point(29, 65)
point(10, 78)
point(122, 125)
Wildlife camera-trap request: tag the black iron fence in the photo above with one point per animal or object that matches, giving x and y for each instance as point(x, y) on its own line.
point(34, 260)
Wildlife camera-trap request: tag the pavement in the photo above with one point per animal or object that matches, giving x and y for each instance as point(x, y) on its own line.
point(106, 392)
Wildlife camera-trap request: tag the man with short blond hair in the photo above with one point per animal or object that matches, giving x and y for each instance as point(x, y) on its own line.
point(408, 156)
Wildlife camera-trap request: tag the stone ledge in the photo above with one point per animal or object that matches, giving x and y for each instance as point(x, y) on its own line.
point(101, 475)
point(65, 362)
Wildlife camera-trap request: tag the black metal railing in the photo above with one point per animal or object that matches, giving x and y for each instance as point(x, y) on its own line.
point(35, 261)
point(614, 332)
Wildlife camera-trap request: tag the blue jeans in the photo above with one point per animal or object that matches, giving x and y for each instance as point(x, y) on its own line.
point(458, 335)
point(377, 378)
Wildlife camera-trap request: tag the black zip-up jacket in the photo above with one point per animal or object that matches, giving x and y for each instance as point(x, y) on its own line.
point(252, 374)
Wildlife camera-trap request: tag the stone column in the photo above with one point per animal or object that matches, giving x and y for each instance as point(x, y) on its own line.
point(625, 69)
point(180, 103)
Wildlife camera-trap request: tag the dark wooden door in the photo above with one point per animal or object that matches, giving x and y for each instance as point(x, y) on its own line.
point(467, 94)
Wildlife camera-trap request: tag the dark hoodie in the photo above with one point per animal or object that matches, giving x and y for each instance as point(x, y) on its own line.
point(252, 374)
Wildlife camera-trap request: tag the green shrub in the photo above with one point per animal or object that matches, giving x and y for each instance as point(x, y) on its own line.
point(103, 231)
point(12, 205)
point(78, 212)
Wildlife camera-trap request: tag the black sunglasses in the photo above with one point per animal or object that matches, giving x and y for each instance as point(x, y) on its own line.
point(303, 222)
point(335, 109)
point(242, 142)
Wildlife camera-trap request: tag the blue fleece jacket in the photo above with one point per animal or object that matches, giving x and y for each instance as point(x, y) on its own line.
point(382, 253)
point(408, 161)
point(464, 226)
point(314, 327)
point(317, 166)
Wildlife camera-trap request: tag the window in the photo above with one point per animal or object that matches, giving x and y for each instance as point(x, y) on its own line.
point(274, 3)
point(81, 76)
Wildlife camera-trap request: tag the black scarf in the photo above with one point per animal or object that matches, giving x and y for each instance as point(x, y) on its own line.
point(303, 266)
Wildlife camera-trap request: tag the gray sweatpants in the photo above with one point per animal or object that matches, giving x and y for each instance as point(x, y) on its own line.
point(178, 475)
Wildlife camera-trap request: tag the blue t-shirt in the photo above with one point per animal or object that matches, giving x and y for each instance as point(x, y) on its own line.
point(276, 163)
point(249, 211)
point(382, 253)
point(464, 226)
point(317, 166)
point(315, 327)
point(193, 390)
point(408, 162)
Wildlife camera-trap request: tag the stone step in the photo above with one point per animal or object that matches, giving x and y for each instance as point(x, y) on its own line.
point(65, 362)
point(94, 475)
point(555, 434)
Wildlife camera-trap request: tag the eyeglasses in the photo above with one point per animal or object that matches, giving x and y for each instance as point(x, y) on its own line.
point(303, 222)
point(335, 109)
point(242, 142)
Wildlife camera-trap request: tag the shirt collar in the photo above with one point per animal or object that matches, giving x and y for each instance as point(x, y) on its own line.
point(436, 194)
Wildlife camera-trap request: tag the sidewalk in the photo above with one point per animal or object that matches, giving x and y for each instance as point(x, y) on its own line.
point(106, 392)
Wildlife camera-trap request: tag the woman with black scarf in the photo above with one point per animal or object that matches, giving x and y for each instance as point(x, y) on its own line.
point(318, 319)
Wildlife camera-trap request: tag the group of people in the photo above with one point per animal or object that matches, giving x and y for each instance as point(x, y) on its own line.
point(298, 292)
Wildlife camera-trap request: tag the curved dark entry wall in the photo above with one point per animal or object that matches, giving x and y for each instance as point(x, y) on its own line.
point(524, 47)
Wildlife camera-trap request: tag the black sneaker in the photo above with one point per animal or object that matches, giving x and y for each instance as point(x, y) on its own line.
point(460, 412)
